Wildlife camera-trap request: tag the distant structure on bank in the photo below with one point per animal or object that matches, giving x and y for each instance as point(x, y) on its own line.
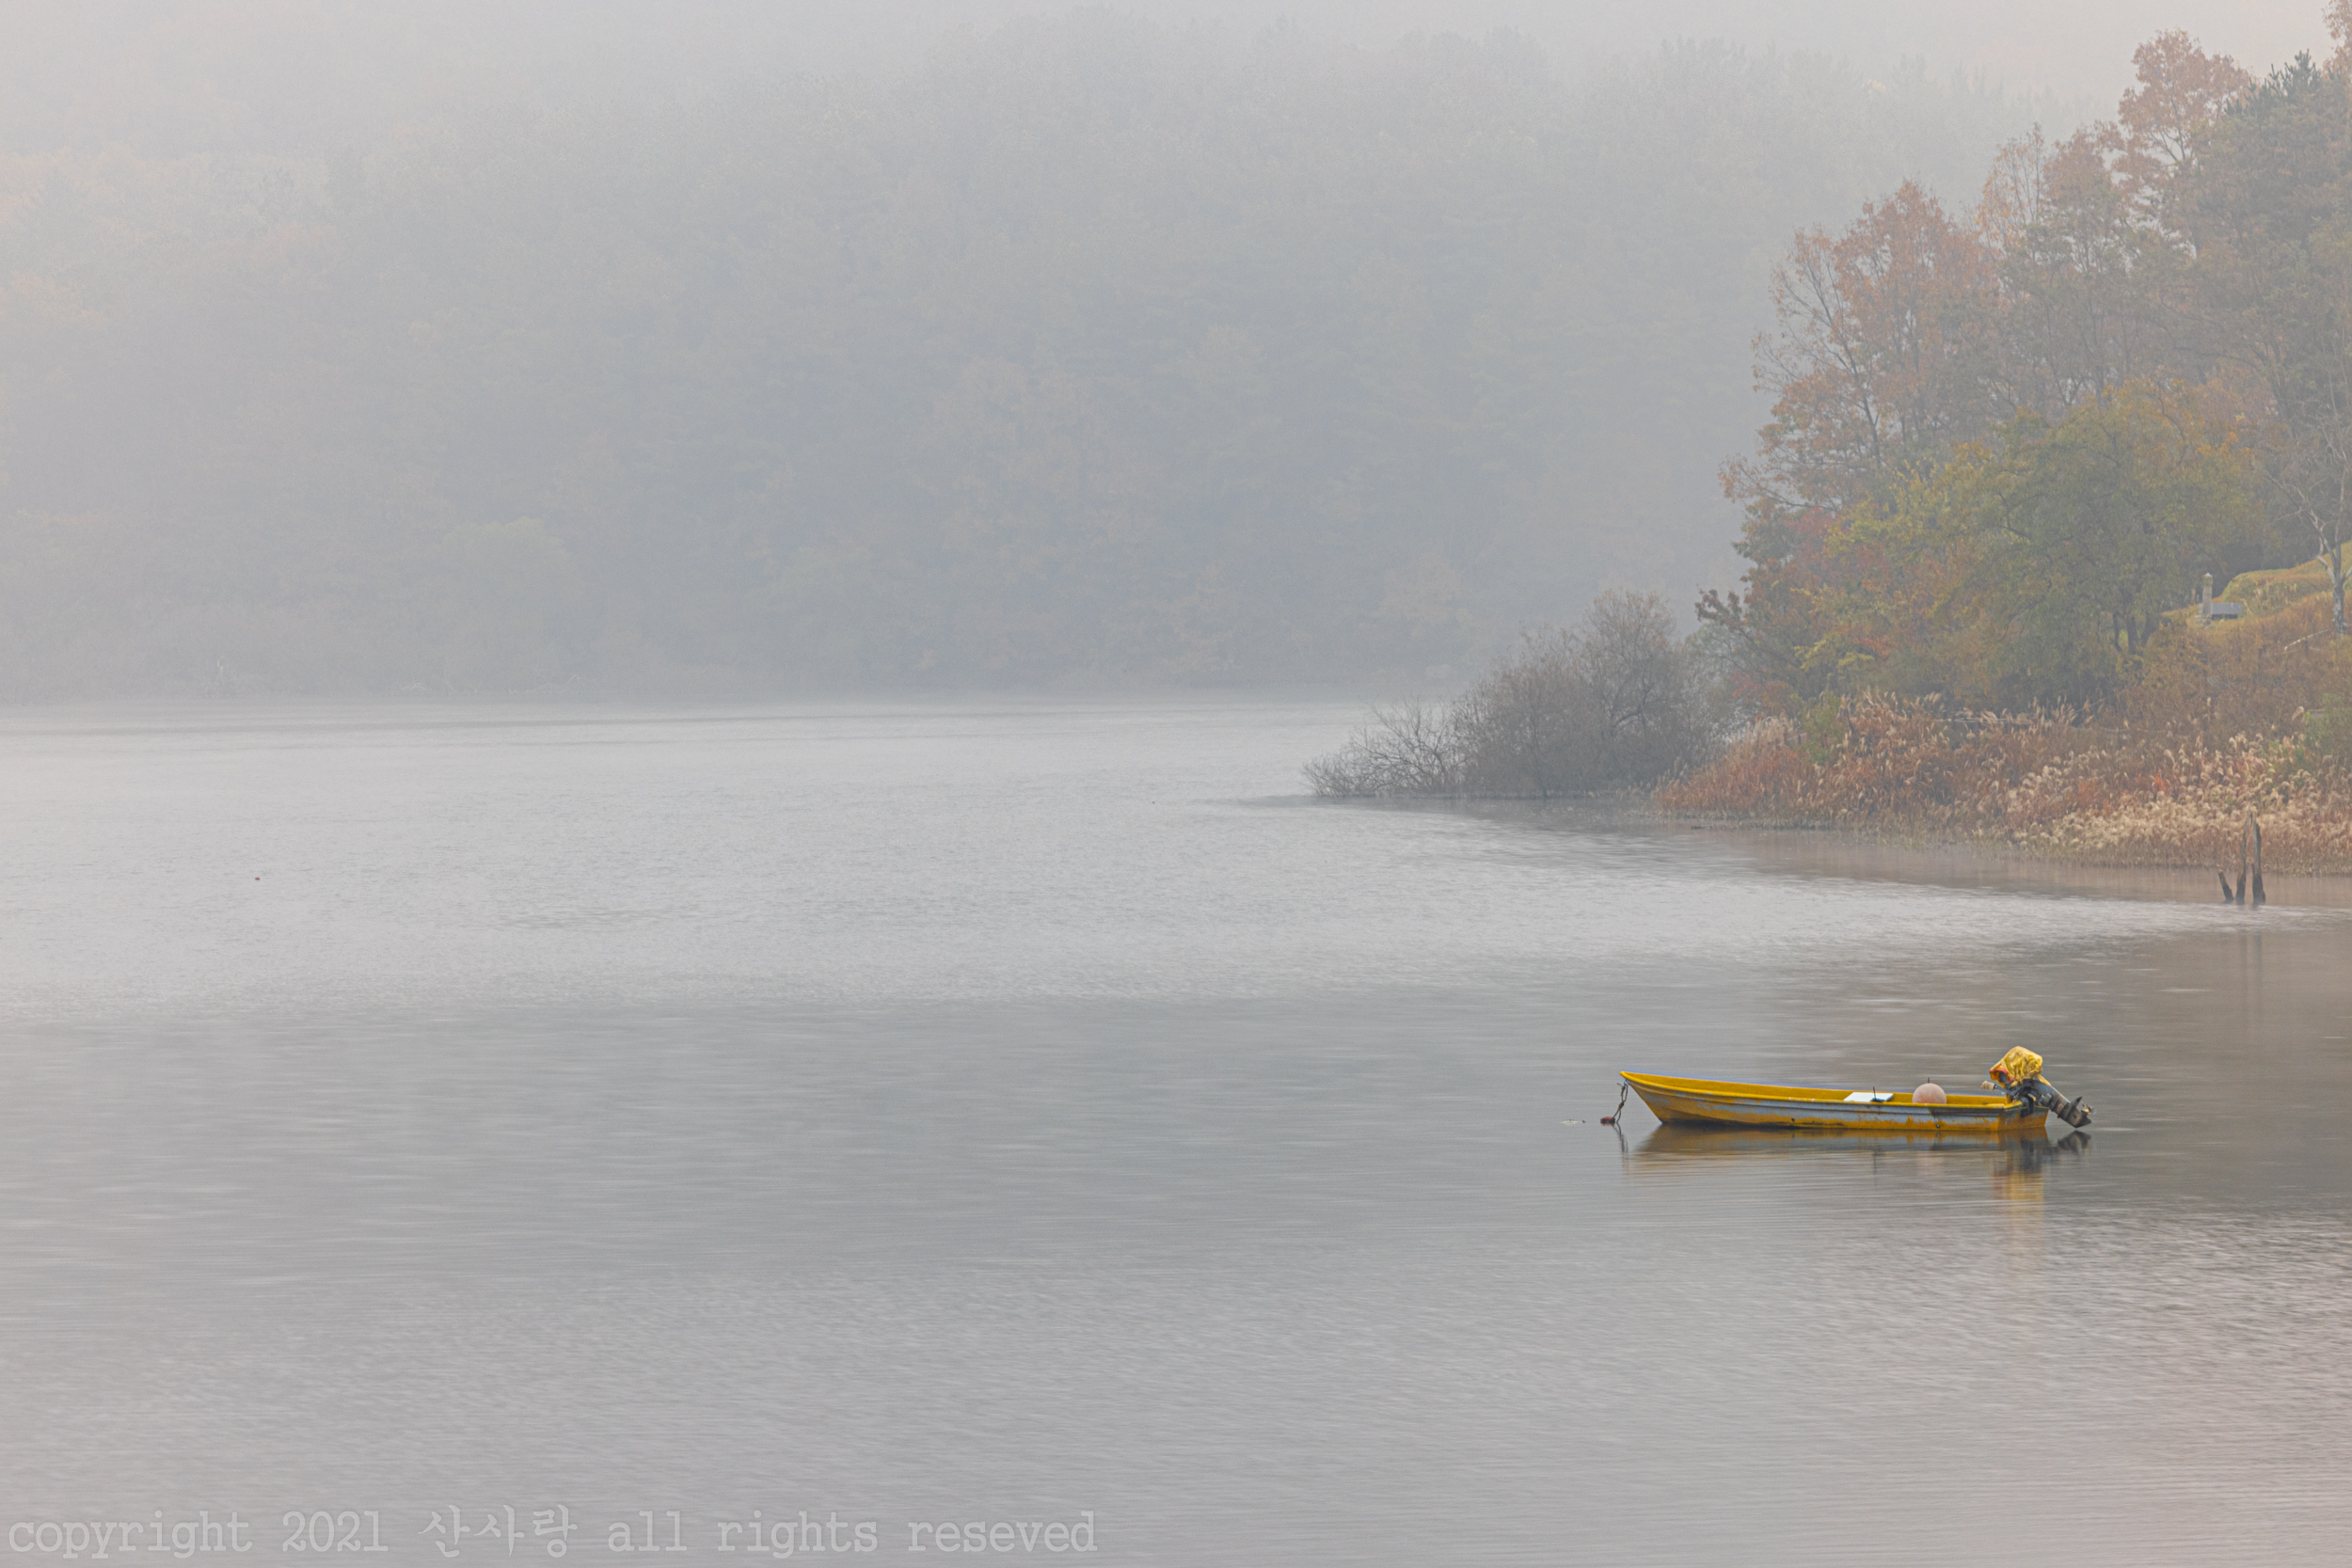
point(2213, 609)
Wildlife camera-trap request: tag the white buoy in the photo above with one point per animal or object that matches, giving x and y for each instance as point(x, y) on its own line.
point(1927, 1094)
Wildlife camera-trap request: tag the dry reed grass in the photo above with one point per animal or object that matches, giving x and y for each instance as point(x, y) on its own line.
point(2045, 783)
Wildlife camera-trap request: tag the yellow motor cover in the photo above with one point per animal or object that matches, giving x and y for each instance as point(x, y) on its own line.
point(2018, 1066)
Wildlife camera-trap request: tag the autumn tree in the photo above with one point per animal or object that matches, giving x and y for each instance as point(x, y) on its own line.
point(2265, 206)
point(2159, 124)
point(2088, 232)
point(2074, 308)
point(1882, 356)
point(2037, 567)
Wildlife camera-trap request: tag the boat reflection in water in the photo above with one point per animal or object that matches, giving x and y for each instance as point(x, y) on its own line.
point(2014, 1162)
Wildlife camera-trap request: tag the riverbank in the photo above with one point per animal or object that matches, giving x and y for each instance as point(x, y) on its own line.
point(2042, 783)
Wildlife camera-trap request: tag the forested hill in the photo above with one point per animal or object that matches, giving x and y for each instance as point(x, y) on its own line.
point(1088, 352)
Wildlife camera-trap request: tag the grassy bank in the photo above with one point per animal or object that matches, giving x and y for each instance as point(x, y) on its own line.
point(2220, 719)
point(2227, 718)
point(2042, 782)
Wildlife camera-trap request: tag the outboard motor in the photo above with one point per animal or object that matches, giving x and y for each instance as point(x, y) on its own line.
point(2019, 1076)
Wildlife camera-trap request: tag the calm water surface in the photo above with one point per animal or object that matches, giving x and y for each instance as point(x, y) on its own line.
point(1029, 1111)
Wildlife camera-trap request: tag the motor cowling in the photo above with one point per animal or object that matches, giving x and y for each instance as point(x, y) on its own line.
point(2019, 1076)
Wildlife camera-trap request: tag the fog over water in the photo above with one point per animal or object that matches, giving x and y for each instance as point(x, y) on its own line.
point(997, 1111)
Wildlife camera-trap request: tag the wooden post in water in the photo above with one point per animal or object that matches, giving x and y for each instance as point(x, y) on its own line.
point(2253, 830)
point(2249, 867)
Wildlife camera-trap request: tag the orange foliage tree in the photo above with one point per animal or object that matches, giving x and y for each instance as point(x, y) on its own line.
point(1890, 539)
point(1881, 358)
point(1881, 354)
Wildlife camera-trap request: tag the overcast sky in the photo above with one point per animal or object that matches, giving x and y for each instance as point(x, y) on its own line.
point(304, 76)
point(2074, 47)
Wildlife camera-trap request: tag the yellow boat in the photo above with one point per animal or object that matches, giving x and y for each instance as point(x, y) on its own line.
point(1709, 1099)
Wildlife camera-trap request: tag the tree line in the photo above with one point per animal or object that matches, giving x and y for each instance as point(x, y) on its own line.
point(2007, 440)
point(1089, 351)
point(2007, 444)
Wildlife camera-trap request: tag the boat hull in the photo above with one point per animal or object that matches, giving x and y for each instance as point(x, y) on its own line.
point(1723, 1104)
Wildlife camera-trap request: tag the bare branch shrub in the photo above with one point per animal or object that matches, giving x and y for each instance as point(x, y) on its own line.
point(1618, 701)
point(1410, 749)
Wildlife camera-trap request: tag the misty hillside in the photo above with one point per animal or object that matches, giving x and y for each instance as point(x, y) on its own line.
point(1089, 351)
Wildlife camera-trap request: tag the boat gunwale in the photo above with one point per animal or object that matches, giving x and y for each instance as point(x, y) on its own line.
point(1795, 1094)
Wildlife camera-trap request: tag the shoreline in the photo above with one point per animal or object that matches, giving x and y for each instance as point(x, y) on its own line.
point(1825, 847)
point(1928, 839)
